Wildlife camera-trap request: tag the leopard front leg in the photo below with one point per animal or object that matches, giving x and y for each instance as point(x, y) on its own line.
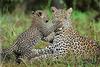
point(49, 38)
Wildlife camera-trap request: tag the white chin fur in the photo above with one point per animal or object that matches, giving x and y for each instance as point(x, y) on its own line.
point(60, 28)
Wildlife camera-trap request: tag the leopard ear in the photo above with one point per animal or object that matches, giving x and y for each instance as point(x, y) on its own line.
point(69, 11)
point(33, 12)
point(54, 9)
point(39, 12)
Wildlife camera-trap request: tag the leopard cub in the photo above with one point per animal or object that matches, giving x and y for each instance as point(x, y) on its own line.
point(25, 41)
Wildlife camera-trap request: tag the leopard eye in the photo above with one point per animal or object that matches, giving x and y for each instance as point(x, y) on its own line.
point(46, 21)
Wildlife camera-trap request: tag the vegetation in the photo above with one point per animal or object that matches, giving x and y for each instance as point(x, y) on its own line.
point(11, 25)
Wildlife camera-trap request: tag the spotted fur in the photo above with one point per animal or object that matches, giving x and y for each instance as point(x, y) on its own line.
point(25, 41)
point(67, 41)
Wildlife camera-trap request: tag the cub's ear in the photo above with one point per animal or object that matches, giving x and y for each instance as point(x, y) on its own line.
point(69, 11)
point(54, 9)
point(39, 12)
point(32, 12)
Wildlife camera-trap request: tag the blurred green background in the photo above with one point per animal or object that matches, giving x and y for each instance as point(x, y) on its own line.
point(15, 17)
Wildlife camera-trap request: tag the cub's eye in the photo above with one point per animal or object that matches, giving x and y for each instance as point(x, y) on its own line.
point(46, 21)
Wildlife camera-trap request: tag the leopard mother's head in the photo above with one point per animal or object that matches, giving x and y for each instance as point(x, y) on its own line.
point(63, 16)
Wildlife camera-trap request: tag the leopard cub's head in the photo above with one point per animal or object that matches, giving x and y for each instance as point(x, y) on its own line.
point(39, 16)
point(63, 16)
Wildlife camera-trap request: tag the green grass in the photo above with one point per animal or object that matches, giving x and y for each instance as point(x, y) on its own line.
point(11, 25)
point(85, 24)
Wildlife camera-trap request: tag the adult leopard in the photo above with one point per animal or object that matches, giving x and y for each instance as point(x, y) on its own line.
point(68, 41)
